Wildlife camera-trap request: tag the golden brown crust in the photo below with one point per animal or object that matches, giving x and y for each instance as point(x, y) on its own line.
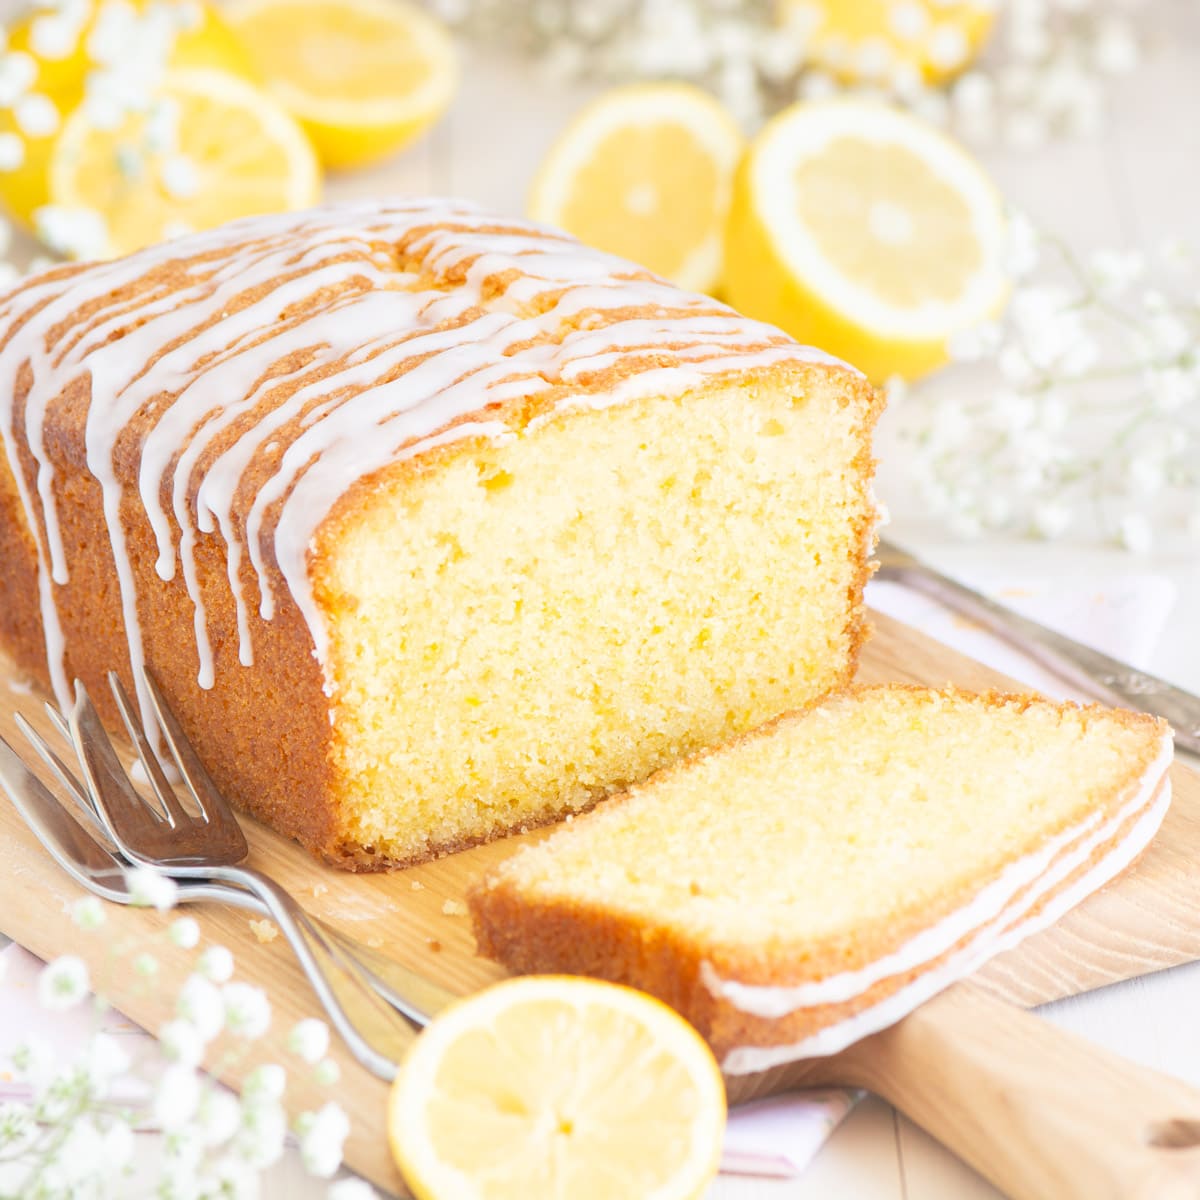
point(532, 936)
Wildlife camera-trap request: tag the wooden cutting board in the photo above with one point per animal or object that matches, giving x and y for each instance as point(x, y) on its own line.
point(1147, 920)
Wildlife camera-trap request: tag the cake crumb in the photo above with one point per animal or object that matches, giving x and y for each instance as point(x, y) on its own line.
point(319, 889)
point(264, 931)
point(415, 885)
point(374, 942)
point(694, 888)
point(433, 944)
point(454, 908)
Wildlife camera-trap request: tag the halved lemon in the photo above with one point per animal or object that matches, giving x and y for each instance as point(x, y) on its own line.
point(555, 1086)
point(894, 41)
point(236, 154)
point(203, 41)
point(364, 77)
point(645, 172)
point(865, 231)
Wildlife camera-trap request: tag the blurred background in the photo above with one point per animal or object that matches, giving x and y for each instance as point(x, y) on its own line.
point(989, 205)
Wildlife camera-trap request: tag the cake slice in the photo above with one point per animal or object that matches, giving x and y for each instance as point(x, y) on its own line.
point(431, 524)
point(818, 878)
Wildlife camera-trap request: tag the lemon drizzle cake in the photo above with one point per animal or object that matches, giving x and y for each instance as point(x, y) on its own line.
point(433, 524)
point(819, 878)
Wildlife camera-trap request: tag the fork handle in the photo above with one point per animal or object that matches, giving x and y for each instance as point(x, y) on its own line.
point(375, 1033)
point(1094, 673)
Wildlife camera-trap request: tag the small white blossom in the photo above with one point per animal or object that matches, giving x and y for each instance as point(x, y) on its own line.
point(1116, 49)
point(18, 71)
point(176, 1097)
point(151, 889)
point(1135, 533)
point(201, 1003)
point(322, 1137)
point(145, 965)
point(181, 1042)
point(247, 1010)
point(105, 1061)
point(216, 963)
point(1052, 519)
point(12, 152)
point(263, 1134)
point(88, 913)
point(54, 38)
point(309, 1039)
point(218, 1116)
point(17, 1128)
point(327, 1072)
point(1114, 271)
point(184, 932)
point(265, 1082)
point(63, 983)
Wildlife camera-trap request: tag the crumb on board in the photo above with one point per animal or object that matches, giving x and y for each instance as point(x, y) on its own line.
point(415, 885)
point(454, 908)
point(433, 944)
point(374, 942)
point(319, 889)
point(263, 930)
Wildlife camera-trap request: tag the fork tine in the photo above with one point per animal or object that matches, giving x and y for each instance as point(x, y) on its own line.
point(213, 806)
point(83, 810)
point(58, 721)
point(176, 813)
point(124, 812)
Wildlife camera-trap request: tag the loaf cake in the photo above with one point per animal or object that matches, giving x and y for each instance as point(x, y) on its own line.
point(432, 525)
point(818, 878)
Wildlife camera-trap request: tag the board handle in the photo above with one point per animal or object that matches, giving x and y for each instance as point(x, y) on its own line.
point(1040, 1112)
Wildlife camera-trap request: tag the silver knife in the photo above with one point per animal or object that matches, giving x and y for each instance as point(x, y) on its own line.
point(1095, 674)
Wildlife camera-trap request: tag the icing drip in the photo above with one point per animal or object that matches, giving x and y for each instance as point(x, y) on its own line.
point(306, 351)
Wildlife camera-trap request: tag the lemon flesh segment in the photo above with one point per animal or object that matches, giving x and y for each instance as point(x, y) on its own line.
point(364, 77)
point(242, 155)
point(645, 172)
point(863, 230)
point(897, 42)
point(557, 1087)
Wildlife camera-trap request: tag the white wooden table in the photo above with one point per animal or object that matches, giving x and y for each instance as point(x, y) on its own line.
point(1137, 183)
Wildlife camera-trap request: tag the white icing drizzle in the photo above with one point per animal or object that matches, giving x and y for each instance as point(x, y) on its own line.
point(993, 932)
point(213, 350)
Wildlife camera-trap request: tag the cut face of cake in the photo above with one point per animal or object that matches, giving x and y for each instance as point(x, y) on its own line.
point(431, 524)
point(820, 877)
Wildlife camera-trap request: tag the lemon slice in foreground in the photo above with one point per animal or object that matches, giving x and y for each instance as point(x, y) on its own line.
point(235, 153)
point(364, 77)
point(865, 231)
point(645, 172)
point(555, 1086)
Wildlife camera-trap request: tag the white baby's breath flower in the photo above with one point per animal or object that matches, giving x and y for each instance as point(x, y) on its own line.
point(263, 1133)
point(218, 1116)
point(1172, 388)
point(180, 177)
point(322, 1135)
point(17, 1128)
point(12, 151)
point(36, 115)
point(351, 1189)
point(1114, 271)
point(1051, 519)
point(1022, 250)
point(63, 983)
point(118, 1145)
point(82, 1154)
point(184, 932)
point(176, 1097)
point(18, 71)
point(216, 963)
point(181, 1042)
point(105, 1061)
point(327, 1072)
point(145, 965)
point(88, 913)
point(201, 1003)
point(55, 37)
point(247, 1010)
point(151, 889)
point(1135, 533)
point(1116, 49)
point(309, 1039)
point(265, 1082)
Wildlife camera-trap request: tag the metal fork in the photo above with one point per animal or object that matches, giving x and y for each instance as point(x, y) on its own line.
point(208, 846)
point(1095, 674)
point(76, 839)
